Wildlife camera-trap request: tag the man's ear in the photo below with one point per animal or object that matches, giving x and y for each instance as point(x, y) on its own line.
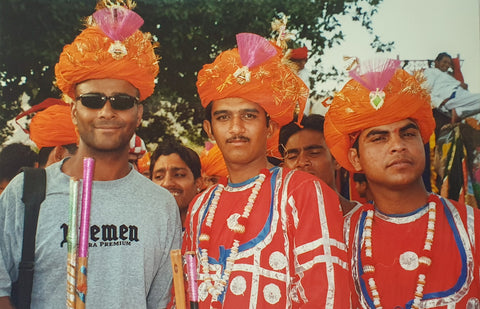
point(139, 114)
point(272, 127)
point(199, 184)
point(336, 164)
point(73, 113)
point(59, 153)
point(354, 159)
point(207, 126)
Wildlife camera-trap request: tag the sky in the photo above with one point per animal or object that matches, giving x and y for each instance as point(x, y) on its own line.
point(421, 29)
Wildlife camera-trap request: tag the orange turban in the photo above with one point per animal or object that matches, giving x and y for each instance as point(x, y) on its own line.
point(271, 84)
point(52, 127)
point(299, 53)
point(94, 55)
point(143, 164)
point(351, 112)
point(213, 163)
point(272, 145)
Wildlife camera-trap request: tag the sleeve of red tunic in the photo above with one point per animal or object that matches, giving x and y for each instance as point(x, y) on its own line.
point(321, 268)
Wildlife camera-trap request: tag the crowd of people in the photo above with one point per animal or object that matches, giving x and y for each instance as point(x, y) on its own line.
point(265, 230)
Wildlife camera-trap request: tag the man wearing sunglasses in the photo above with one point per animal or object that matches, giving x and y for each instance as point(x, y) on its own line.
point(133, 222)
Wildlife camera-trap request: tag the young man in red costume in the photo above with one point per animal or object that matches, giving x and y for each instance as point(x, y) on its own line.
point(267, 237)
point(411, 248)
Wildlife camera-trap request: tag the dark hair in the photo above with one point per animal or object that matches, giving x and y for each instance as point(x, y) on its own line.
point(13, 157)
point(312, 122)
point(188, 156)
point(45, 152)
point(441, 55)
point(208, 112)
point(359, 177)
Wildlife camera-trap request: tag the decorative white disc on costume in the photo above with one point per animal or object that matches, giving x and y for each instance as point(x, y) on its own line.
point(272, 294)
point(232, 221)
point(473, 303)
point(238, 285)
point(277, 260)
point(202, 291)
point(409, 260)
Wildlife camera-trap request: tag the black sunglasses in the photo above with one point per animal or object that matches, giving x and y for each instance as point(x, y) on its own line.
point(98, 100)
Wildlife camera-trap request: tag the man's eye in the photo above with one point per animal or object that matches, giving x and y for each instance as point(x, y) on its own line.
point(221, 117)
point(213, 180)
point(249, 116)
point(180, 175)
point(378, 138)
point(410, 133)
point(291, 157)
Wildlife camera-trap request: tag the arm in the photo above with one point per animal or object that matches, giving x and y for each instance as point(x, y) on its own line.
point(5, 303)
point(11, 237)
point(319, 250)
point(159, 294)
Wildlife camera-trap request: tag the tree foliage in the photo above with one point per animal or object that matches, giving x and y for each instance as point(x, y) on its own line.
point(191, 33)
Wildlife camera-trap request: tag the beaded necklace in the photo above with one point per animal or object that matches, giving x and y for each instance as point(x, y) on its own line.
point(423, 262)
point(236, 224)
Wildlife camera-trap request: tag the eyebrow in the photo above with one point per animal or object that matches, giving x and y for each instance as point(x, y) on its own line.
point(246, 110)
point(309, 147)
point(409, 126)
point(402, 129)
point(174, 169)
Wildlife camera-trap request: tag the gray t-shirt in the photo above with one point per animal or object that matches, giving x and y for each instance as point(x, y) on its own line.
point(134, 224)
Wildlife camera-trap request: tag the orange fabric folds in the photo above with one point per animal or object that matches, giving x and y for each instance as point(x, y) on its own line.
point(351, 112)
point(272, 85)
point(213, 163)
point(53, 127)
point(88, 57)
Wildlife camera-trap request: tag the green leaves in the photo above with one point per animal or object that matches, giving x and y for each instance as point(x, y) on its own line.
point(191, 33)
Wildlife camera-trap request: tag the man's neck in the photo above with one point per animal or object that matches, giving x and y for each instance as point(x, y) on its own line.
point(399, 201)
point(108, 166)
point(241, 172)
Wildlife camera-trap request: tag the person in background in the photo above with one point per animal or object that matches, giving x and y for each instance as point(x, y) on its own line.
point(361, 185)
point(299, 56)
point(410, 248)
point(106, 73)
point(213, 166)
point(143, 164)
point(303, 148)
point(267, 237)
point(12, 158)
point(52, 131)
point(449, 94)
point(177, 168)
point(137, 150)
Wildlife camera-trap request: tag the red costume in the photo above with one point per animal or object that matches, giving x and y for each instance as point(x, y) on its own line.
point(291, 253)
point(452, 279)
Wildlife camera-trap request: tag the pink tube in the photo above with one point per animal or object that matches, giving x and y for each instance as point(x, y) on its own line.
point(88, 166)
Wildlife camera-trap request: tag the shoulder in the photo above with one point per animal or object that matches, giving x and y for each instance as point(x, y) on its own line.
point(303, 183)
point(463, 209)
point(294, 178)
point(14, 189)
point(145, 185)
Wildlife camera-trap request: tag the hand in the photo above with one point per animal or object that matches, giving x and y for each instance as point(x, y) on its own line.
point(455, 117)
point(5, 303)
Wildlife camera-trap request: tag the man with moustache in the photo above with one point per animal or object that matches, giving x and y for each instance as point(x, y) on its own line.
point(267, 236)
point(410, 248)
